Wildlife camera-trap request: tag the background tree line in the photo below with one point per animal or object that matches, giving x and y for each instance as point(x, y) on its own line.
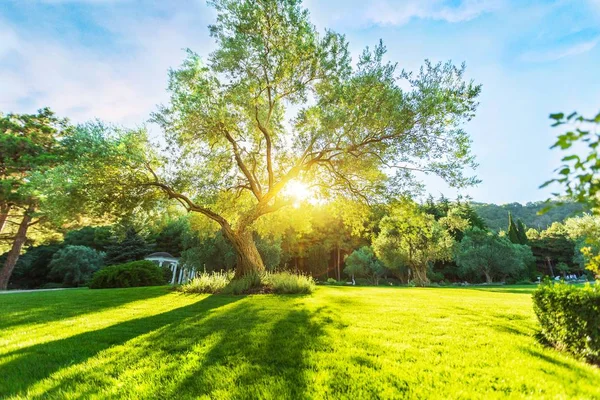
point(401, 242)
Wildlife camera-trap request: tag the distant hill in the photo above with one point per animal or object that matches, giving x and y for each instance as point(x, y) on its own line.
point(496, 216)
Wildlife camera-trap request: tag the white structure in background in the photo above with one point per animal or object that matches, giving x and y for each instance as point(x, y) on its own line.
point(165, 260)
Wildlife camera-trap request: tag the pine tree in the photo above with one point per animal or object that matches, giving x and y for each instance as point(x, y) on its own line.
point(512, 232)
point(133, 247)
point(521, 232)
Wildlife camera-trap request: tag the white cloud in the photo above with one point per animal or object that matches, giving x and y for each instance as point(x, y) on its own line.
point(399, 13)
point(121, 83)
point(560, 52)
point(392, 12)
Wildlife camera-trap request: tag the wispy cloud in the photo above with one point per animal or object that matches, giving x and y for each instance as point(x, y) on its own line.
point(560, 49)
point(122, 83)
point(394, 13)
point(399, 13)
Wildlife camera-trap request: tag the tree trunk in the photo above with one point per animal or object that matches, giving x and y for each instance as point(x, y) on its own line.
point(4, 210)
point(248, 258)
point(488, 277)
point(339, 276)
point(15, 251)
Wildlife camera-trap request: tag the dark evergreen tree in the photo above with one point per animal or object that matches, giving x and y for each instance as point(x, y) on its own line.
point(512, 232)
point(132, 248)
point(171, 238)
point(521, 232)
point(95, 237)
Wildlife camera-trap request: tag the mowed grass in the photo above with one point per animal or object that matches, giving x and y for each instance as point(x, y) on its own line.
point(340, 342)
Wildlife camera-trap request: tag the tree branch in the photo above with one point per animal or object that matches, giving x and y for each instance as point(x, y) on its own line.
point(238, 158)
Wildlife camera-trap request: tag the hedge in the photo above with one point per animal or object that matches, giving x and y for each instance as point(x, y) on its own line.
point(570, 318)
point(132, 274)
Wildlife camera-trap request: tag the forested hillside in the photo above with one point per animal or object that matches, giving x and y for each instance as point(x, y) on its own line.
point(496, 216)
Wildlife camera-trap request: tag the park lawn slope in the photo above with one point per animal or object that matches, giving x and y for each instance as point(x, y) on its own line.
point(340, 342)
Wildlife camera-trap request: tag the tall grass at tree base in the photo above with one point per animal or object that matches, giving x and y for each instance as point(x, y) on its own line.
point(266, 282)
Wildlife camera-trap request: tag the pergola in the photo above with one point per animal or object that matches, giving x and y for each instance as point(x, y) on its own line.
point(165, 260)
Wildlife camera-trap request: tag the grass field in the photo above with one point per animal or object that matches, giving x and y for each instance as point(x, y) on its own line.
point(340, 342)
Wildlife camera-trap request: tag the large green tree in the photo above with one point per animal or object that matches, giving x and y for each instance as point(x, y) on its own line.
point(30, 146)
point(278, 101)
point(488, 254)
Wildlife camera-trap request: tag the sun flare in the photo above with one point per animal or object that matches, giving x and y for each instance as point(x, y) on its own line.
point(299, 191)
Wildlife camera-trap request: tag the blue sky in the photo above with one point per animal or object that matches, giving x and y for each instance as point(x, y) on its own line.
point(108, 59)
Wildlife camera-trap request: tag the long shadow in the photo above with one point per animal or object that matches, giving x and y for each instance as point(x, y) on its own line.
point(264, 363)
point(43, 307)
point(246, 347)
point(22, 368)
point(505, 290)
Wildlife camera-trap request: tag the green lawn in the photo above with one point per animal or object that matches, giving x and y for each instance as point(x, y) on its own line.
point(340, 342)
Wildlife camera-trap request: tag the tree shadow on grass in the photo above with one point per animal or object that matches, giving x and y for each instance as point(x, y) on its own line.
point(504, 290)
point(44, 307)
point(567, 367)
point(22, 368)
point(232, 346)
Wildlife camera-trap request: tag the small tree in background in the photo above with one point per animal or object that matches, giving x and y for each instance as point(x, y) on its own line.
point(74, 265)
point(363, 262)
point(488, 254)
point(133, 247)
point(412, 239)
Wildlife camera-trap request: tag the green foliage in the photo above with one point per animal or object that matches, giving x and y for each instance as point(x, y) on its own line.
point(74, 265)
point(570, 318)
point(495, 215)
point(288, 283)
point(132, 274)
point(267, 282)
point(487, 254)
point(32, 269)
point(410, 240)
point(207, 282)
point(363, 263)
point(521, 232)
point(270, 251)
point(579, 173)
point(29, 144)
point(208, 252)
point(132, 247)
point(171, 238)
point(98, 238)
point(512, 233)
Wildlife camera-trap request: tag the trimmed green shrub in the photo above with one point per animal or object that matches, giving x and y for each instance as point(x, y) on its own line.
point(132, 274)
point(570, 318)
point(268, 282)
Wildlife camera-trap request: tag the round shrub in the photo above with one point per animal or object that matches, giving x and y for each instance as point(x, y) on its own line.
point(570, 318)
point(132, 274)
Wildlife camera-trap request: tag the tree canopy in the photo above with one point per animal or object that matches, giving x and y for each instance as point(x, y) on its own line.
point(278, 101)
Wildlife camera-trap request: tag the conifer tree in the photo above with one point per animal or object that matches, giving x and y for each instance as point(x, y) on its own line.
point(132, 248)
point(512, 232)
point(521, 232)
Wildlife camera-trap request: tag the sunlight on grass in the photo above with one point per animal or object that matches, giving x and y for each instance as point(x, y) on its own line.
point(338, 342)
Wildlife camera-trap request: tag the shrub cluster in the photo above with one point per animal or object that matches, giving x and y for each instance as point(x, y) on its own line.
point(268, 282)
point(132, 274)
point(570, 318)
point(213, 282)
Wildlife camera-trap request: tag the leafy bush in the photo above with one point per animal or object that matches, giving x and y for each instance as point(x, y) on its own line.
point(74, 265)
point(570, 318)
point(132, 274)
point(268, 282)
